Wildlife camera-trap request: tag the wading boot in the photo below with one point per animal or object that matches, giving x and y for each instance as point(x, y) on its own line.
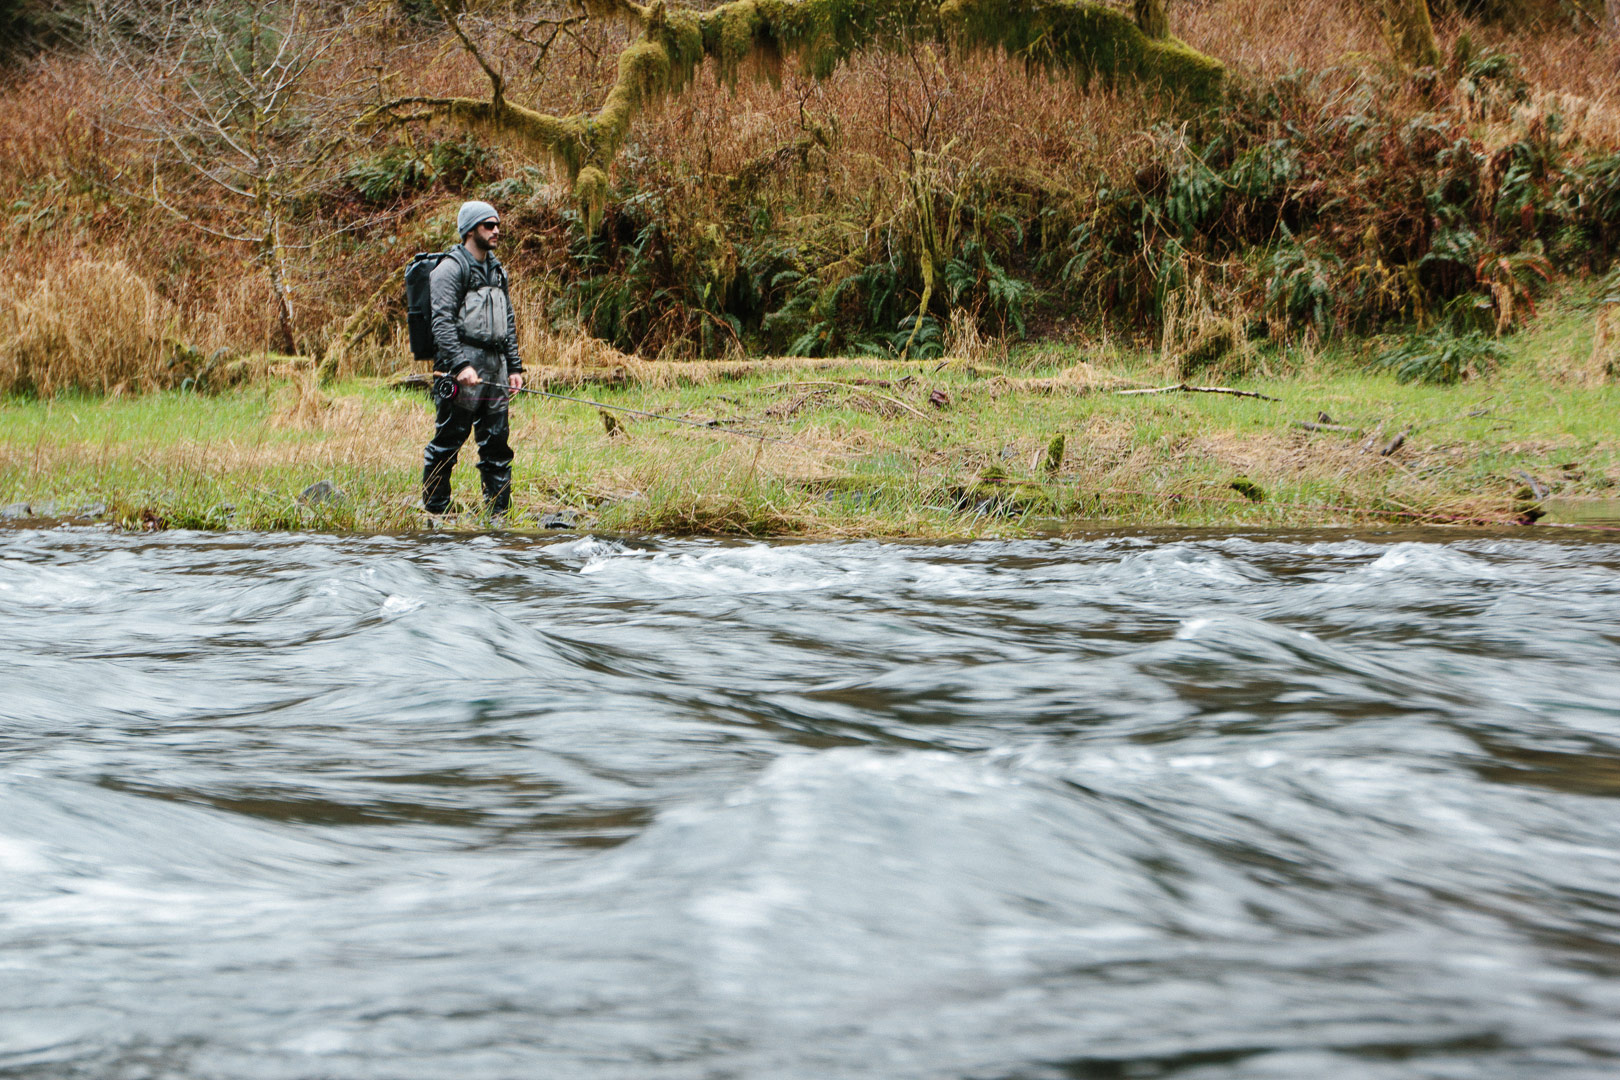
point(436, 485)
point(497, 492)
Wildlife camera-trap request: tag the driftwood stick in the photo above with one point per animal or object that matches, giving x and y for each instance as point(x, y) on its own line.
point(1199, 390)
point(854, 389)
point(1311, 425)
point(1538, 490)
point(887, 384)
point(1471, 414)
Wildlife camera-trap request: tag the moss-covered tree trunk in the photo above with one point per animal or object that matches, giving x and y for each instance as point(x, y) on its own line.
point(1411, 32)
point(1084, 39)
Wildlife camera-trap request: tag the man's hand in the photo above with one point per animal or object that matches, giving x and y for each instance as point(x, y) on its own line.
point(468, 377)
point(515, 381)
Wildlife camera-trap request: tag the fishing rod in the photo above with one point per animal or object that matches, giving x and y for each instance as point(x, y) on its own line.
point(445, 388)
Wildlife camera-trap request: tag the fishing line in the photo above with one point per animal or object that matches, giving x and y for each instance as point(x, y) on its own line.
point(1419, 517)
point(709, 426)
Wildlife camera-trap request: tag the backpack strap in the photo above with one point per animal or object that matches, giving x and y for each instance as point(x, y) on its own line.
point(464, 260)
point(459, 254)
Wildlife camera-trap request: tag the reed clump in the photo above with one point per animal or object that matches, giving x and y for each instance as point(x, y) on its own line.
point(87, 324)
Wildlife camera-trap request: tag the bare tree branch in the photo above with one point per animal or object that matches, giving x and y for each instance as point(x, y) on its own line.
point(496, 81)
point(229, 98)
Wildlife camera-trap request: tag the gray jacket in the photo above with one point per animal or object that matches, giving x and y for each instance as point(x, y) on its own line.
point(451, 281)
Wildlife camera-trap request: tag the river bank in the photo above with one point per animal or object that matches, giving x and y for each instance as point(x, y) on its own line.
point(1006, 445)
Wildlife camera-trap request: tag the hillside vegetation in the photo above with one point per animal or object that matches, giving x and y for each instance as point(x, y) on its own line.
point(806, 196)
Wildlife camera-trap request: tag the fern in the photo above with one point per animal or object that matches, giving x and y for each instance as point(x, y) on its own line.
point(975, 274)
point(391, 175)
point(1442, 357)
point(1300, 287)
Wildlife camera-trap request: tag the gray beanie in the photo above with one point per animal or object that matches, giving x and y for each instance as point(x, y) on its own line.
point(471, 213)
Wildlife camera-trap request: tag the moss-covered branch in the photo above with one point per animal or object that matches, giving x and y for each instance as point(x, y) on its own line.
point(1150, 17)
point(1083, 39)
point(1410, 32)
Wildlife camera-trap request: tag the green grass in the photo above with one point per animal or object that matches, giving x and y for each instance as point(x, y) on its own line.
point(859, 465)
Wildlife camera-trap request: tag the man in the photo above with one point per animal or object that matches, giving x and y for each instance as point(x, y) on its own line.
point(476, 335)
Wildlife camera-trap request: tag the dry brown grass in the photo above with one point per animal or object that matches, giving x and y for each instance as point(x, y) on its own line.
point(574, 358)
point(1558, 57)
point(1000, 126)
point(88, 325)
point(1269, 38)
point(1077, 379)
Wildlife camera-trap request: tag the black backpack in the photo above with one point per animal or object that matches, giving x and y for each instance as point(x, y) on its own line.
point(419, 303)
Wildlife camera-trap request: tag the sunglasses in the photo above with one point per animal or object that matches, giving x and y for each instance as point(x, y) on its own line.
point(492, 226)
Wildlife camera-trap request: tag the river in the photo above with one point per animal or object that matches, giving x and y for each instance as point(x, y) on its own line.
point(1174, 804)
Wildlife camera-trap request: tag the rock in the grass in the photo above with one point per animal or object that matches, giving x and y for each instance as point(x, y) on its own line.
point(48, 509)
point(320, 492)
point(15, 511)
point(92, 510)
point(563, 519)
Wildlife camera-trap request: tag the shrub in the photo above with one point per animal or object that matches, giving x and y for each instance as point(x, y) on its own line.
point(462, 164)
point(391, 175)
point(404, 170)
point(1442, 357)
point(974, 273)
point(1599, 212)
point(1300, 288)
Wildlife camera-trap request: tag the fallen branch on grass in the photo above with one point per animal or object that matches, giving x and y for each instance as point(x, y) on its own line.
point(782, 412)
point(416, 380)
point(1199, 390)
point(1538, 490)
point(1311, 425)
point(853, 389)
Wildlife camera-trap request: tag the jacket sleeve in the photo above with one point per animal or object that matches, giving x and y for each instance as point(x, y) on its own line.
point(446, 292)
point(514, 362)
